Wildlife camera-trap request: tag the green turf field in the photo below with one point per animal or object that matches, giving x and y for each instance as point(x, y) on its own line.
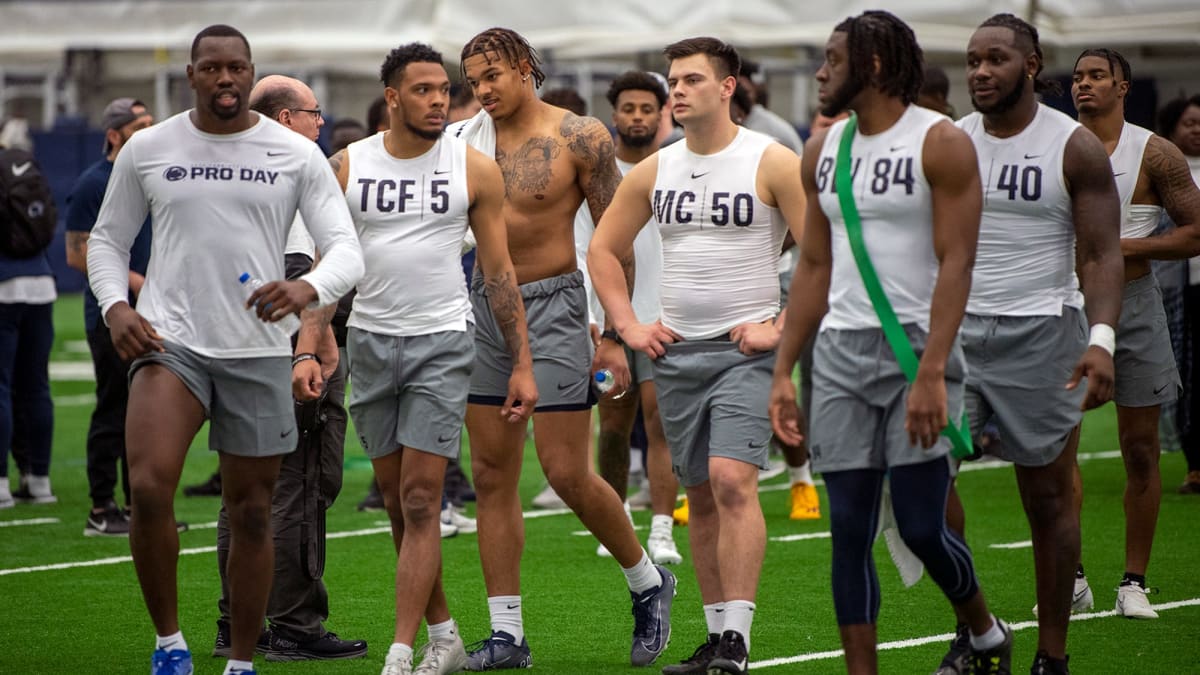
point(70, 604)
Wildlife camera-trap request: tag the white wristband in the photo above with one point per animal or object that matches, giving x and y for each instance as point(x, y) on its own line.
point(1104, 337)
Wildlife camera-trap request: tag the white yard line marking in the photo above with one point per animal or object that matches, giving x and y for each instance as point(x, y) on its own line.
point(75, 400)
point(29, 521)
point(944, 637)
point(72, 370)
point(202, 526)
point(1015, 544)
point(802, 537)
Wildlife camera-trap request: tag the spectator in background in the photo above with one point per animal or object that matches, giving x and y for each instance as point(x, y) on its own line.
point(377, 119)
point(565, 97)
point(463, 104)
point(758, 118)
point(106, 434)
point(1179, 122)
point(27, 295)
point(345, 131)
point(935, 91)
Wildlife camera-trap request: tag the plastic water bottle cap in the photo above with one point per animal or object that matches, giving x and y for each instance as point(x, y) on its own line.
point(601, 376)
point(244, 277)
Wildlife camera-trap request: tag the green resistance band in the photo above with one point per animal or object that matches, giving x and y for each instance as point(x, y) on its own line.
point(960, 436)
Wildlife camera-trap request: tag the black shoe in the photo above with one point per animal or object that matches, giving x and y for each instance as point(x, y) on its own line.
point(1044, 665)
point(994, 661)
point(111, 522)
point(209, 488)
point(732, 656)
point(224, 643)
point(373, 501)
point(697, 663)
point(328, 646)
point(956, 659)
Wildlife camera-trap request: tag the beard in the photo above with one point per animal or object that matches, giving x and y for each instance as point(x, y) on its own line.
point(427, 134)
point(840, 101)
point(637, 141)
point(1007, 102)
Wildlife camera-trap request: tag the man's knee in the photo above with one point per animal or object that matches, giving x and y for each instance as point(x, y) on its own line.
point(1140, 452)
point(422, 504)
point(249, 518)
point(732, 489)
point(567, 480)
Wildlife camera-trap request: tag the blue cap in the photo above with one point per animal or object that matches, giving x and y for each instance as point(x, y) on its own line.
point(244, 278)
point(600, 376)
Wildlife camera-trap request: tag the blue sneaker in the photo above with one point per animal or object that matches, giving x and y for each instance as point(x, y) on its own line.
point(499, 652)
point(174, 662)
point(652, 620)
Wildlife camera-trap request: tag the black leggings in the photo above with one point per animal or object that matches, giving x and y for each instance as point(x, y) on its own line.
point(919, 504)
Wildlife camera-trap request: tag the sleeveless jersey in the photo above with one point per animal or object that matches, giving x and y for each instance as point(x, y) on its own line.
point(720, 242)
point(895, 204)
point(411, 217)
point(1137, 220)
point(1025, 261)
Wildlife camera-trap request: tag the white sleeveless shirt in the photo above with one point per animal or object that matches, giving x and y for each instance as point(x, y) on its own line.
point(720, 242)
point(1137, 220)
point(1025, 261)
point(411, 217)
point(895, 204)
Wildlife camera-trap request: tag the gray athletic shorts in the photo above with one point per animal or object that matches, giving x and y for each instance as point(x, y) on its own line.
point(248, 401)
point(1145, 365)
point(860, 399)
point(1018, 370)
point(641, 368)
point(712, 400)
point(410, 391)
point(559, 338)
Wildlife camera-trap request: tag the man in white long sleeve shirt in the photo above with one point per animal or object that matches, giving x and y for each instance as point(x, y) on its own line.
point(223, 186)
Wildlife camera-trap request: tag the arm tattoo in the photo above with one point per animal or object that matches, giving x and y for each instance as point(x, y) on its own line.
point(528, 169)
point(505, 301)
point(593, 145)
point(77, 241)
point(337, 160)
point(1172, 179)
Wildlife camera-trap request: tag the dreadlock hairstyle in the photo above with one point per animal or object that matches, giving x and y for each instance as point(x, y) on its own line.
point(1025, 37)
point(1114, 59)
point(901, 62)
point(503, 44)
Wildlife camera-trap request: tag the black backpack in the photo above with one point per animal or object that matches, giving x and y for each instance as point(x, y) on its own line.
point(28, 216)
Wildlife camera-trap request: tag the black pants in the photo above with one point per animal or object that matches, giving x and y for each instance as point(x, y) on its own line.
point(1189, 405)
point(26, 410)
point(106, 435)
point(310, 478)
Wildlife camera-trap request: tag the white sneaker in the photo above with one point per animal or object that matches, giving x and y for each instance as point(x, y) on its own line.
point(397, 666)
point(6, 498)
point(448, 530)
point(440, 657)
point(35, 490)
point(774, 468)
point(1081, 598)
point(548, 499)
point(661, 548)
point(462, 524)
point(1132, 602)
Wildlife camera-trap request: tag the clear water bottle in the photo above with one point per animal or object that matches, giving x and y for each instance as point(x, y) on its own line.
point(289, 324)
point(604, 382)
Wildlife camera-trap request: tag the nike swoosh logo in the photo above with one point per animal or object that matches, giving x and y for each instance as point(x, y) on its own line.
point(719, 610)
point(897, 148)
point(447, 440)
point(700, 175)
point(439, 173)
point(1119, 174)
point(564, 387)
point(752, 445)
point(285, 434)
point(512, 606)
point(1161, 389)
point(1032, 156)
point(99, 525)
point(273, 154)
point(20, 169)
point(741, 664)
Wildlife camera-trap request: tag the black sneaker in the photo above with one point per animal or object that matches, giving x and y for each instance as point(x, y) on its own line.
point(994, 661)
point(697, 663)
point(373, 501)
point(224, 643)
point(328, 646)
point(1044, 665)
point(955, 660)
point(209, 488)
point(111, 522)
point(732, 656)
point(499, 651)
point(652, 619)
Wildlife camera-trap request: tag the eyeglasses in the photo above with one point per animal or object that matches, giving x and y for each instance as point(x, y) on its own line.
point(313, 111)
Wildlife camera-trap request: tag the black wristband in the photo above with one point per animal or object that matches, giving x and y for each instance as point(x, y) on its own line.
point(612, 335)
point(306, 357)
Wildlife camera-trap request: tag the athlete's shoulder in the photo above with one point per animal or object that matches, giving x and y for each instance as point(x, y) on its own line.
point(1055, 119)
point(970, 122)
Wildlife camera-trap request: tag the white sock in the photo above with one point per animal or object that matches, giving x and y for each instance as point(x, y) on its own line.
point(739, 614)
point(399, 651)
point(443, 631)
point(989, 640)
point(643, 576)
point(801, 474)
point(661, 525)
point(234, 666)
point(506, 615)
point(714, 616)
point(171, 642)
